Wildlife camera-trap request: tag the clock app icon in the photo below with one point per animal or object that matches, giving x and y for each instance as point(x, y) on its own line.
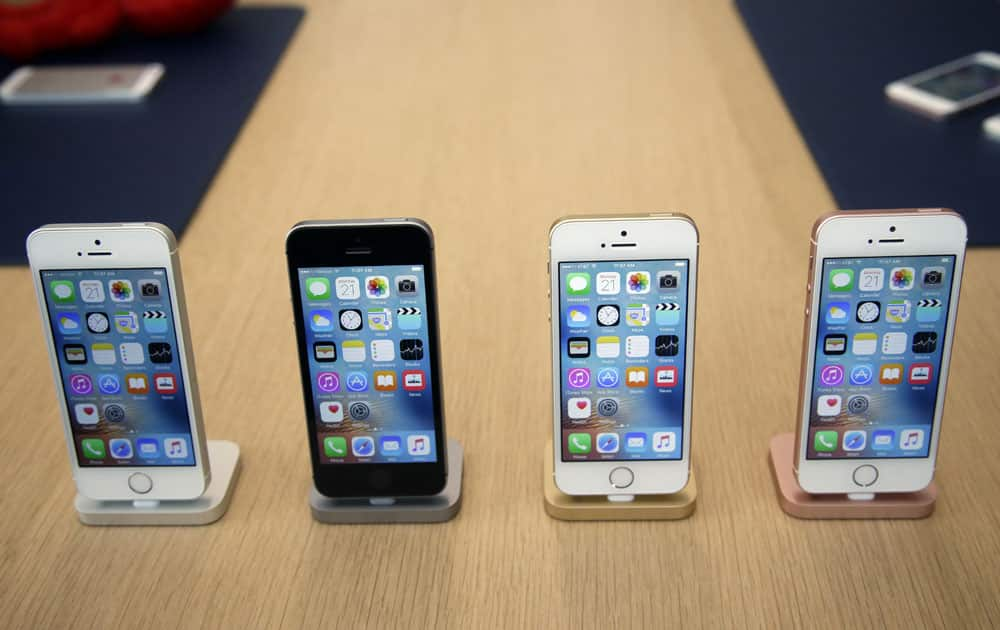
point(608, 315)
point(350, 319)
point(98, 323)
point(868, 312)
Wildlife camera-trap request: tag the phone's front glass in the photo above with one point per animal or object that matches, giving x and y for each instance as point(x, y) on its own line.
point(366, 332)
point(881, 327)
point(622, 359)
point(962, 83)
point(113, 331)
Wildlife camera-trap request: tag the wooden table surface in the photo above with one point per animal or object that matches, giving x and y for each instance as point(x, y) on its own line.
point(489, 120)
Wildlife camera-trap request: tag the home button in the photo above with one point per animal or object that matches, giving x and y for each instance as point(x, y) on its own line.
point(621, 477)
point(865, 475)
point(140, 483)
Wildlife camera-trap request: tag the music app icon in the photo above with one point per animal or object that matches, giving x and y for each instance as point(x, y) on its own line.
point(911, 439)
point(175, 447)
point(328, 381)
point(664, 442)
point(418, 445)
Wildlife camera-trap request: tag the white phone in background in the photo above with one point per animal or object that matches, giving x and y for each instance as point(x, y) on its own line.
point(72, 85)
point(950, 88)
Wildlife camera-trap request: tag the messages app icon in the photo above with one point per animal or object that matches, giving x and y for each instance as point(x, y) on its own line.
point(841, 279)
point(578, 283)
point(318, 288)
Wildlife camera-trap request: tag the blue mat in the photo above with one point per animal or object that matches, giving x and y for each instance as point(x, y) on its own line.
point(146, 162)
point(831, 60)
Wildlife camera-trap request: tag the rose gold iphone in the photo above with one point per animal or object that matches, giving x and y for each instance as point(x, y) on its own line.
point(880, 316)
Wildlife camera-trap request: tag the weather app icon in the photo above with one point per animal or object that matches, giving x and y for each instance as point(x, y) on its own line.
point(321, 320)
point(837, 312)
point(578, 316)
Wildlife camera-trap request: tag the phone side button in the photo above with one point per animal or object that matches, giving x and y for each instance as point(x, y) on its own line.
point(621, 477)
point(140, 483)
point(865, 475)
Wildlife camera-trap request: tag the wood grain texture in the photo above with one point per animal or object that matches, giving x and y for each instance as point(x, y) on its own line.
point(489, 120)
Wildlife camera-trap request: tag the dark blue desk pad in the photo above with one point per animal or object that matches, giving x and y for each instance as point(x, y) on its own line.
point(147, 162)
point(831, 60)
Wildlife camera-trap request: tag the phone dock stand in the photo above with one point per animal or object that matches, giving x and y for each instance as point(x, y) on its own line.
point(224, 460)
point(437, 508)
point(642, 507)
point(798, 503)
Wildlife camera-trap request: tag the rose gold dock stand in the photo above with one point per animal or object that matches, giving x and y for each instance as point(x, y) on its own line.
point(645, 507)
point(798, 503)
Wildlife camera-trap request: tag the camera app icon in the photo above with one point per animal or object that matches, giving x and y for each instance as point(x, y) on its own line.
point(406, 285)
point(668, 280)
point(931, 277)
point(149, 289)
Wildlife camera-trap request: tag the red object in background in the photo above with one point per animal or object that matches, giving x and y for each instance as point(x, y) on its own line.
point(27, 29)
point(160, 17)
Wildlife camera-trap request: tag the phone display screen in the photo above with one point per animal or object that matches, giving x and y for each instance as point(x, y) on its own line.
point(366, 330)
point(622, 357)
point(962, 83)
point(881, 326)
point(121, 375)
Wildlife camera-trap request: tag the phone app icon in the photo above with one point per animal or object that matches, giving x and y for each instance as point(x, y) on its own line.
point(578, 347)
point(155, 322)
point(825, 441)
point(335, 446)
point(668, 314)
point(828, 406)
point(331, 412)
point(377, 287)
point(379, 319)
point(609, 347)
point(69, 323)
point(664, 442)
point(608, 315)
point(607, 407)
point(321, 320)
point(98, 323)
point(165, 383)
point(608, 378)
point(414, 380)
point(836, 312)
point(609, 283)
point(317, 288)
point(920, 374)
point(665, 376)
point(325, 351)
point(411, 349)
point(635, 442)
point(93, 448)
point(418, 445)
point(81, 384)
point(121, 290)
point(924, 342)
point(831, 375)
point(354, 350)
point(637, 376)
point(911, 439)
point(857, 404)
point(864, 343)
point(668, 280)
point(667, 345)
point(347, 288)
point(867, 312)
point(928, 310)
point(390, 445)
point(578, 316)
point(126, 322)
point(131, 353)
point(841, 280)
point(901, 278)
point(121, 448)
point(149, 289)
point(363, 446)
point(579, 443)
point(835, 344)
point(406, 286)
point(855, 441)
point(931, 277)
point(637, 314)
point(328, 382)
point(871, 279)
point(148, 448)
point(894, 343)
point(92, 291)
point(357, 382)
point(578, 408)
point(103, 353)
point(408, 318)
point(607, 443)
point(883, 439)
point(86, 413)
point(385, 380)
point(636, 346)
point(638, 282)
point(890, 374)
point(74, 353)
point(383, 350)
point(862, 374)
point(62, 291)
point(175, 447)
point(577, 284)
point(109, 384)
point(578, 378)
